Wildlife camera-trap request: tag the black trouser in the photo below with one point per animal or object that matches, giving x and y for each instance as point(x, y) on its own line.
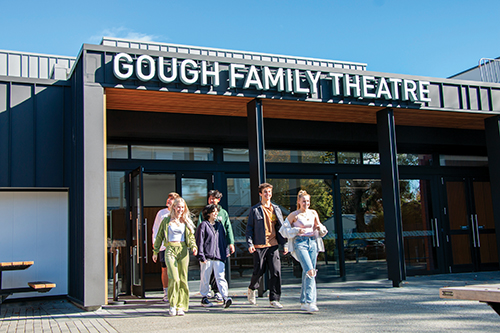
point(267, 257)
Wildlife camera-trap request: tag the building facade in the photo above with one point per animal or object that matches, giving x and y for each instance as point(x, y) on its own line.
point(400, 168)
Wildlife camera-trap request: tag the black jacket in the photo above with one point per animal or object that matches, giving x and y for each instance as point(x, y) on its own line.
point(256, 230)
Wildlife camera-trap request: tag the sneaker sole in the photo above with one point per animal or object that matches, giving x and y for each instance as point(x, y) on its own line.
point(228, 303)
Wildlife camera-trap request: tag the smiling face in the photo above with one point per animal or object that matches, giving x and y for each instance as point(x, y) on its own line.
point(266, 194)
point(213, 215)
point(305, 202)
point(179, 209)
point(213, 200)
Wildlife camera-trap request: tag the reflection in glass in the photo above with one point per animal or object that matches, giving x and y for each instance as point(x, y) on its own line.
point(235, 155)
point(194, 192)
point(172, 153)
point(418, 227)
point(463, 161)
point(300, 156)
point(344, 157)
point(414, 159)
point(363, 228)
point(117, 151)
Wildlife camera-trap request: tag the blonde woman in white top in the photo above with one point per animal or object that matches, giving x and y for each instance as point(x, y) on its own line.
point(177, 230)
point(304, 231)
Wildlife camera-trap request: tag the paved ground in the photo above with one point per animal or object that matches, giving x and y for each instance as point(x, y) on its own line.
point(362, 306)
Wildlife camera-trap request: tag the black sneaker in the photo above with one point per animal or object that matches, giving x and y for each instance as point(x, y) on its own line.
point(228, 302)
point(206, 303)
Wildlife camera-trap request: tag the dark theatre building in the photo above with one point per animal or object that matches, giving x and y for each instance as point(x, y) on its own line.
point(403, 170)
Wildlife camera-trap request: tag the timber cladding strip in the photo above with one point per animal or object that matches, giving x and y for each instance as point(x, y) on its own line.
point(236, 106)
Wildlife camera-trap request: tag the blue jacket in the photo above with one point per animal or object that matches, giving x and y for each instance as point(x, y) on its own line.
point(211, 241)
point(256, 229)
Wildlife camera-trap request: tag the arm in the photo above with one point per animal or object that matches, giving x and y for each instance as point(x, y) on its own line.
point(190, 241)
point(160, 236)
point(228, 228)
point(250, 230)
point(200, 240)
point(319, 226)
point(286, 230)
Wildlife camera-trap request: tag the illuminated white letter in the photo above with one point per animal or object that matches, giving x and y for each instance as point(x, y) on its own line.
point(289, 80)
point(276, 81)
point(253, 79)
point(383, 89)
point(336, 83)
point(367, 85)
point(394, 88)
point(138, 67)
point(205, 73)
point(233, 74)
point(189, 66)
point(409, 90)
point(423, 91)
point(313, 80)
point(296, 84)
point(127, 66)
point(161, 70)
point(354, 85)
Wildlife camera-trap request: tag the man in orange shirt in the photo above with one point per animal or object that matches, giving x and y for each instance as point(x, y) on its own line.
point(263, 240)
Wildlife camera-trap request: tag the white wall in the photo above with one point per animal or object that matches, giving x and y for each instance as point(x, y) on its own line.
point(34, 227)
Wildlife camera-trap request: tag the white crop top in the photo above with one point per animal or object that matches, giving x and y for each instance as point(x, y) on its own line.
point(176, 233)
point(306, 222)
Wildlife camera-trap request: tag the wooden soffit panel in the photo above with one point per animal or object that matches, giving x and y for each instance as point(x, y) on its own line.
point(235, 106)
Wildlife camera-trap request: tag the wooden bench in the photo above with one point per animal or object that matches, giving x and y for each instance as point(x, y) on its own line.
point(38, 286)
point(487, 293)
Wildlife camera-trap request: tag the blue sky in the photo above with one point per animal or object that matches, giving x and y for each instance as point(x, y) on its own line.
point(436, 38)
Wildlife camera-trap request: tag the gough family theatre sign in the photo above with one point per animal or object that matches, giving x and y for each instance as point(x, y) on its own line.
point(264, 78)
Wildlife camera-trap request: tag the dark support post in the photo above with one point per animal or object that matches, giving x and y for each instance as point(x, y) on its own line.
point(256, 148)
point(257, 161)
point(390, 195)
point(492, 131)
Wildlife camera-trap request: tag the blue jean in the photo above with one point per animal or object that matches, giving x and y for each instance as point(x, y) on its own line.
point(306, 251)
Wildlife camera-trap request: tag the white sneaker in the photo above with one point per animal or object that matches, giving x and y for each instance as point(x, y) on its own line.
point(251, 296)
point(309, 307)
point(276, 305)
point(218, 298)
point(180, 312)
point(172, 311)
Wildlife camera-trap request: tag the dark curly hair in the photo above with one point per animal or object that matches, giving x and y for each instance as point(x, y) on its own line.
point(207, 210)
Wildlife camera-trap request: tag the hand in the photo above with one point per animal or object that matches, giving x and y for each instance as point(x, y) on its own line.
point(285, 250)
point(231, 248)
point(301, 232)
point(155, 257)
point(195, 251)
point(251, 249)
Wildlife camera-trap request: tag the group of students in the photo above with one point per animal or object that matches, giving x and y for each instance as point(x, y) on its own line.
point(212, 241)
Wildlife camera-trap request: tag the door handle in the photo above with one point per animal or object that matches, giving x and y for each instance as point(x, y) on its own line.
point(473, 230)
point(146, 240)
point(477, 231)
point(138, 239)
point(436, 233)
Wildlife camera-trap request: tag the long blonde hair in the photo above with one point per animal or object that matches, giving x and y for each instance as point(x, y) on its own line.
point(185, 217)
point(300, 195)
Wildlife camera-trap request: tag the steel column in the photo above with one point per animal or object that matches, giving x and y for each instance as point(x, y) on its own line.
point(492, 132)
point(390, 194)
point(256, 147)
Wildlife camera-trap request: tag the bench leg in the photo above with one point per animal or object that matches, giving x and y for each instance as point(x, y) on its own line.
point(495, 306)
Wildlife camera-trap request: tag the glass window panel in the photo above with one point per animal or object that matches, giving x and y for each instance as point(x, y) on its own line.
point(300, 156)
point(414, 159)
point(235, 155)
point(363, 228)
point(156, 189)
point(172, 153)
point(116, 226)
point(348, 157)
point(418, 226)
point(117, 151)
point(371, 158)
point(463, 161)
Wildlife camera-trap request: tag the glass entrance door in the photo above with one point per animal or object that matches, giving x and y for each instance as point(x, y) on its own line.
point(469, 214)
point(138, 228)
point(194, 189)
